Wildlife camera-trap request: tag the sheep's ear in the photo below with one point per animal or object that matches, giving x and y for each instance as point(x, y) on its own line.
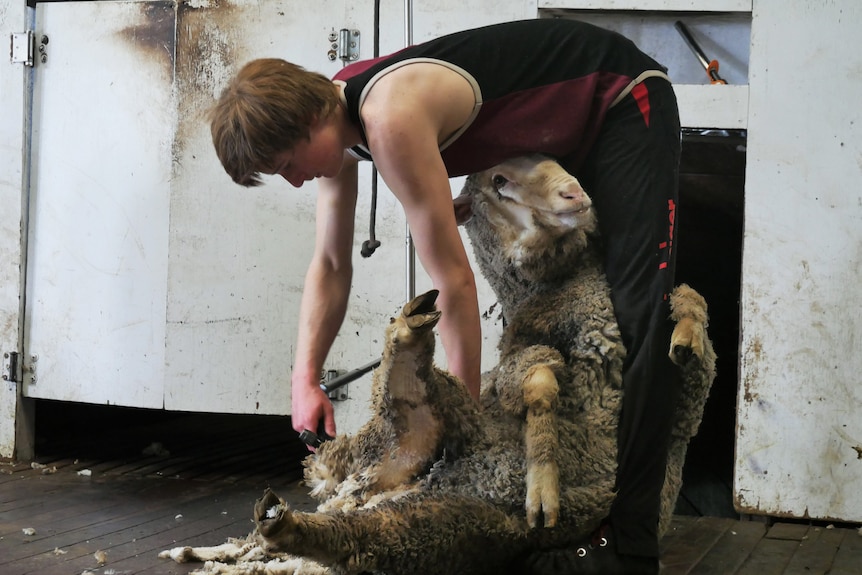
point(463, 209)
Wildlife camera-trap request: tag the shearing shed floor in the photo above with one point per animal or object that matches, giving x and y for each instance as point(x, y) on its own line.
point(106, 502)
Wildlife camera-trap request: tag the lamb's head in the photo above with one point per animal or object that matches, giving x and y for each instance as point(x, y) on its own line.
point(528, 210)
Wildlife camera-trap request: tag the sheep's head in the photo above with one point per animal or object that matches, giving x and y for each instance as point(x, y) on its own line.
point(531, 205)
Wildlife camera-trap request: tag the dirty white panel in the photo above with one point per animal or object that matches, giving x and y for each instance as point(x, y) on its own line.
point(101, 168)
point(676, 5)
point(238, 255)
point(12, 103)
point(722, 36)
point(799, 438)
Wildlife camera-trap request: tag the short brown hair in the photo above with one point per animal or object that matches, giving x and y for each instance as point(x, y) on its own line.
point(267, 108)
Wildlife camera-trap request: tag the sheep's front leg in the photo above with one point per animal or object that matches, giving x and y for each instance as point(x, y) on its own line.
point(542, 445)
point(689, 311)
point(527, 385)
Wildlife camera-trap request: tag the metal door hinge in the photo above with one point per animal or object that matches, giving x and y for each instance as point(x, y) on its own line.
point(10, 366)
point(344, 45)
point(22, 48)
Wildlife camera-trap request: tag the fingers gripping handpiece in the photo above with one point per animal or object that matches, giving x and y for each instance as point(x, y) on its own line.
point(313, 439)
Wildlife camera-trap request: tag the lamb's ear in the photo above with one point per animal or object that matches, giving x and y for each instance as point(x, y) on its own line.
point(463, 209)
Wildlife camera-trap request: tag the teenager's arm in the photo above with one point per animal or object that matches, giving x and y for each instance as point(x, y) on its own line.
point(406, 115)
point(324, 298)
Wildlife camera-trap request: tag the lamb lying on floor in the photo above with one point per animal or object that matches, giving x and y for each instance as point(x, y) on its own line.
point(431, 484)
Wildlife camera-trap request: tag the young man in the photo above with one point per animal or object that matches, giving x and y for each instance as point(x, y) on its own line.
point(460, 104)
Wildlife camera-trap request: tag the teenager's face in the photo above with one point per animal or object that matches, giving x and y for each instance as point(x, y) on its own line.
point(319, 156)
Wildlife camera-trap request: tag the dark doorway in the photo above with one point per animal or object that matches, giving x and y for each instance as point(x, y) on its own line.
point(712, 181)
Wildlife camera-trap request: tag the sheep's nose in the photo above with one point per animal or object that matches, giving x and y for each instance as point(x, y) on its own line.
point(574, 192)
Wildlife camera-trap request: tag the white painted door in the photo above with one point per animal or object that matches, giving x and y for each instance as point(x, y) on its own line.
point(238, 255)
point(799, 438)
point(153, 280)
point(103, 121)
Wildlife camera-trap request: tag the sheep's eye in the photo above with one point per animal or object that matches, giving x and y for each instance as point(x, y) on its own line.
point(499, 181)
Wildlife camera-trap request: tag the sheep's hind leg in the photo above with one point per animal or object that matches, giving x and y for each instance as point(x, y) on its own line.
point(689, 311)
point(431, 535)
point(692, 350)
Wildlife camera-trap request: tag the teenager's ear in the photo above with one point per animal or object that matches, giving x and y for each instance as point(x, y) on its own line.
point(463, 209)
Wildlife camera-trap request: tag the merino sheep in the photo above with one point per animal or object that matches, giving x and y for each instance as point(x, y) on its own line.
point(433, 485)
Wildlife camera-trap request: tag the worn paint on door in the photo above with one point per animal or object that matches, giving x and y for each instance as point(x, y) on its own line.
point(799, 437)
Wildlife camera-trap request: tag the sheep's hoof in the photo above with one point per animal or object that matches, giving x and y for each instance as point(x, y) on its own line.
point(271, 514)
point(543, 495)
point(423, 303)
point(687, 341)
point(420, 312)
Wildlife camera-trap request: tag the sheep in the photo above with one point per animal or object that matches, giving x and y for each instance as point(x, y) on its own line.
point(534, 236)
point(433, 485)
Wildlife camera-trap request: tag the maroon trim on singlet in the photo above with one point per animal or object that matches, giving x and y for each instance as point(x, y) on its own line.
point(561, 120)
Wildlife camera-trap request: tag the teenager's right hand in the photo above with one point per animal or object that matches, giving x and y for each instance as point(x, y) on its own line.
point(311, 409)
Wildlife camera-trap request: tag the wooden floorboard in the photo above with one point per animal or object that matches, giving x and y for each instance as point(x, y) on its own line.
point(131, 519)
point(730, 550)
point(849, 556)
point(134, 505)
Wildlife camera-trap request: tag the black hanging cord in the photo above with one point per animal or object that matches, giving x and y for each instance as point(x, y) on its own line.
point(371, 244)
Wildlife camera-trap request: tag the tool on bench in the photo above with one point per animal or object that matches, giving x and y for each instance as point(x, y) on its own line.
point(316, 439)
point(711, 66)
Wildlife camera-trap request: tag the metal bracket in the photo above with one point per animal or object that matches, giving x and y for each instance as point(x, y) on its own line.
point(10, 366)
point(344, 45)
point(22, 48)
point(338, 394)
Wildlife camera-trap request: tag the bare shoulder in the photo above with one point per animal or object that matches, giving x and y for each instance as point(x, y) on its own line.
point(421, 94)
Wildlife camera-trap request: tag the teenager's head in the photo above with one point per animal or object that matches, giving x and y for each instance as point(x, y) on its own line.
point(268, 107)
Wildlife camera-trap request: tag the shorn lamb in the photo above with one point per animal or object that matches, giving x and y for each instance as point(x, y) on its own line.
point(433, 485)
